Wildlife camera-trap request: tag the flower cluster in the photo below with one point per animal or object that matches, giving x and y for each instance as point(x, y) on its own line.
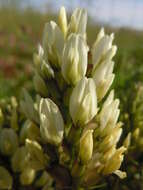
point(72, 128)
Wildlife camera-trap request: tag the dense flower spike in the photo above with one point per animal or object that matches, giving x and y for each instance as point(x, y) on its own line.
point(66, 133)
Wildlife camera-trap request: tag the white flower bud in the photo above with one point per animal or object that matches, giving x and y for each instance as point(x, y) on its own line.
point(63, 21)
point(101, 47)
point(42, 65)
point(83, 102)
point(74, 64)
point(86, 146)
point(51, 122)
point(53, 42)
point(103, 77)
point(110, 111)
point(78, 22)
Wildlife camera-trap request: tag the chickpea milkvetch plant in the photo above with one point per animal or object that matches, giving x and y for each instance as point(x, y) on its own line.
point(76, 126)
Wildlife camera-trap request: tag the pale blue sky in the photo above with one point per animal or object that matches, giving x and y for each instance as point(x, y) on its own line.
point(114, 12)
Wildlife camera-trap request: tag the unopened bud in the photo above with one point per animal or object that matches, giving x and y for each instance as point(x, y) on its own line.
point(86, 146)
point(83, 102)
point(51, 122)
point(74, 59)
point(63, 21)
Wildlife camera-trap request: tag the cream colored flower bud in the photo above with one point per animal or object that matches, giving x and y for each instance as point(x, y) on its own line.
point(8, 141)
point(42, 65)
point(27, 107)
point(63, 21)
point(51, 122)
point(101, 47)
point(114, 162)
point(27, 176)
point(86, 146)
point(127, 141)
point(103, 77)
point(53, 43)
point(78, 22)
point(37, 159)
point(40, 85)
point(74, 64)
point(83, 102)
point(5, 179)
point(110, 111)
point(38, 58)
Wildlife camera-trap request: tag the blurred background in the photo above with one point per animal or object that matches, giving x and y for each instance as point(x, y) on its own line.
point(22, 23)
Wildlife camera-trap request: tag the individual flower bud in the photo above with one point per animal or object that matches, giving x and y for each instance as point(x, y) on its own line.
point(102, 48)
point(78, 22)
point(127, 141)
point(103, 77)
point(74, 64)
point(38, 58)
point(40, 85)
point(29, 131)
point(83, 102)
point(86, 146)
point(37, 159)
point(19, 159)
point(53, 42)
point(114, 162)
point(8, 141)
point(110, 111)
point(5, 179)
point(27, 107)
point(27, 176)
point(63, 21)
point(42, 65)
point(47, 71)
point(51, 122)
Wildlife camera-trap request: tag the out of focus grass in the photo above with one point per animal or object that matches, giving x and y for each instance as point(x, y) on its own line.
point(20, 33)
